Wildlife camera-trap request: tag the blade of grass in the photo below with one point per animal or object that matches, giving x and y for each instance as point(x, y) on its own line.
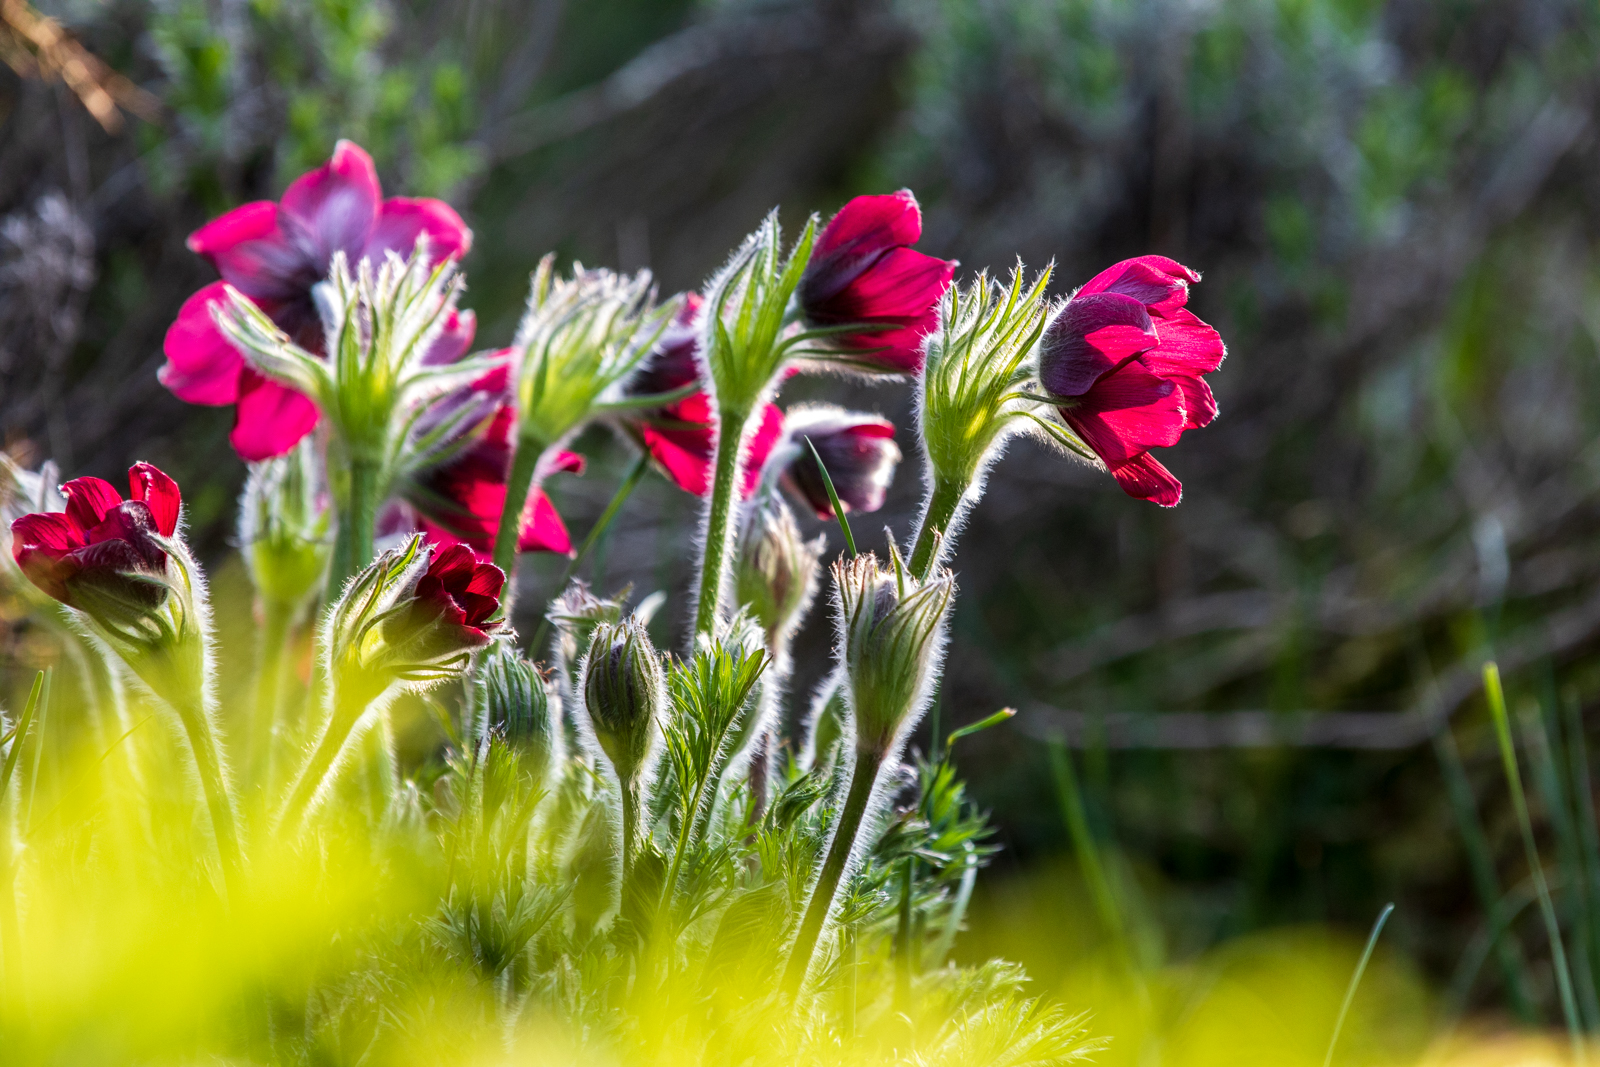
point(1083, 845)
point(1543, 742)
point(1519, 803)
point(1588, 825)
point(1355, 980)
point(833, 499)
point(1507, 951)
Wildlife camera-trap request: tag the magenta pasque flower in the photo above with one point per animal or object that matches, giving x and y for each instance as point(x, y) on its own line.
point(102, 550)
point(863, 270)
point(1129, 357)
point(681, 436)
point(275, 253)
point(460, 500)
point(858, 450)
point(460, 593)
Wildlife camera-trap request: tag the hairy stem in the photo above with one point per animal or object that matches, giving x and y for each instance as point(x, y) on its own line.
point(862, 781)
point(352, 697)
point(524, 465)
point(632, 798)
point(933, 532)
point(352, 544)
point(719, 524)
point(272, 665)
point(198, 727)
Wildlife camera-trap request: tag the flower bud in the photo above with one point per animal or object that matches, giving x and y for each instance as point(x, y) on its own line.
point(283, 526)
point(776, 568)
point(417, 616)
point(625, 692)
point(891, 629)
point(512, 701)
point(104, 555)
point(575, 614)
point(857, 449)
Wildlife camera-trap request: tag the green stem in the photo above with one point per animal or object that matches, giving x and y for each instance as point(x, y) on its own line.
point(519, 483)
point(631, 800)
point(352, 545)
point(630, 482)
point(272, 664)
point(862, 781)
point(197, 725)
point(719, 524)
point(933, 532)
point(351, 699)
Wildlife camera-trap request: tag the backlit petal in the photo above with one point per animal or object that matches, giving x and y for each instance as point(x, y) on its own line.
point(1145, 478)
point(401, 220)
point(202, 365)
point(153, 486)
point(270, 419)
point(334, 207)
point(89, 500)
point(1126, 413)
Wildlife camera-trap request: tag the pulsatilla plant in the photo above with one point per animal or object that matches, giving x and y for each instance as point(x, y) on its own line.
point(602, 848)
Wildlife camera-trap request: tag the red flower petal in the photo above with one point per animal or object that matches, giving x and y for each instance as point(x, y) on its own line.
point(487, 580)
point(334, 207)
point(270, 419)
point(255, 221)
point(1092, 335)
point(1145, 478)
point(561, 463)
point(684, 454)
point(760, 446)
point(401, 220)
point(451, 564)
point(1159, 283)
point(1188, 346)
point(50, 532)
point(89, 501)
point(1128, 412)
point(202, 365)
point(159, 492)
point(542, 528)
point(864, 229)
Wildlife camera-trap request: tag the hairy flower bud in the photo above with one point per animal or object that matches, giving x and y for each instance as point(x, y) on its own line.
point(283, 525)
point(575, 614)
point(890, 629)
point(513, 701)
point(625, 692)
point(776, 568)
point(415, 615)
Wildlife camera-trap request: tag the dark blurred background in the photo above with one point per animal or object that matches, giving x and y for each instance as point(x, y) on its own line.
point(1397, 210)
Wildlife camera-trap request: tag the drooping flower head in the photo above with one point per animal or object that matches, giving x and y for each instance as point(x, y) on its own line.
point(857, 449)
point(276, 253)
point(416, 614)
point(864, 270)
point(104, 555)
point(1127, 357)
point(681, 436)
point(459, 498)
